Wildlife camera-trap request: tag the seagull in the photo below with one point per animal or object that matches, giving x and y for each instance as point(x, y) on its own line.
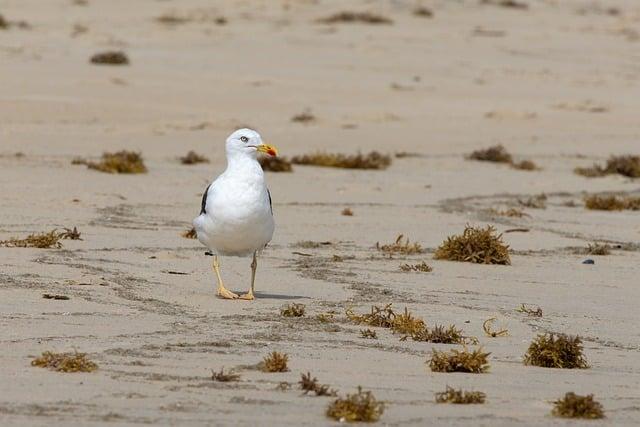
point(236, 216)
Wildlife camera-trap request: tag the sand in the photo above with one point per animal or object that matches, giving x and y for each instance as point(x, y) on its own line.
point(557, 83)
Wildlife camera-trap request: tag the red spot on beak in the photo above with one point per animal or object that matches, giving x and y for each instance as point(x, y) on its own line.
point(271, 152)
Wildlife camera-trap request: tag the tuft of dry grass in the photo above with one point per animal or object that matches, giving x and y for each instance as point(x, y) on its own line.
point(379, 316)
point(193, 158)
point(598, 249)
point(110, 58)
point(346, 212)
point(556, 351)
point(39, 240)
point(576, 406)
point(360, 406)
point(406, 324)
point(535, 202)
point(423, 12)
point(400, 247)
point(372, 160)
point(65, 362)
point(224, 377)
point(486, 326)
point(305, 117)
point(531, 312)
point(525, 165)
point(347, 17)
point(441, 335)
point(368, 334)
point(309, 384)
point(459, 361)
point(275, 164)
point(612, 203)
point(496, 154)
point(451, 395)
point(70, 234)
point(275, 362)
point(190, 234)
point(292, 310)
point(422, 267)
point(119, 162)
point(477, 245)
point(626, 165)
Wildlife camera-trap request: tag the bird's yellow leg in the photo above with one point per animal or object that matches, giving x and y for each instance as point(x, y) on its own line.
point(222, 291)
point(254, 264)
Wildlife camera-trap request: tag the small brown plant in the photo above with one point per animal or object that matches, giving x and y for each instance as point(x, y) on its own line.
point(576, 406)
point(496, 154)
point(424, 12)
point(39, 240)
point(486, 326)
point(224, 377)
point(119, 162)
point(110, 58)
point(535, 202)
point(360, 406)
point(531, 312)
point(400, 247)
point(275, 362)
point(422, 267)
point(598, 249)
point(379, 316)
point(193, 158)
point(292, 310)
point(556, 351)
point(475, 245)
point(190, 233)
point(628, 166)
point(275, 164)
point(309, 384)
point(525, 165)
point(441, 335)
point(451, 395)
point(459, 361)
point(65, 362)
point(372, 160)
point(346, 212)
point(355, 17)
point(304, 117)
point(71, 234)
point(406, 324)
point(368, 334)
point(612, 203)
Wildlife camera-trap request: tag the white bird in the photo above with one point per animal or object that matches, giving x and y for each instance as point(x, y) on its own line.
point(236, 217)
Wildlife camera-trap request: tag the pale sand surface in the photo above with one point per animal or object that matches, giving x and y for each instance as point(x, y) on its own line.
point(520, 81)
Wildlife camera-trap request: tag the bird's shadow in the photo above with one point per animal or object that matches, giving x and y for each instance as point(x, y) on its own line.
point(260, 295)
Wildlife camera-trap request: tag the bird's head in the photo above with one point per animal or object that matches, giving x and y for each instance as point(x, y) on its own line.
point(248, 142)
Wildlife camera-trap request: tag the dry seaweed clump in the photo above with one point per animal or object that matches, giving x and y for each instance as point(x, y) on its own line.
point(477, 245)
point(292, 310)
point(358, 407)
point(309, 384)
point(304, 117)
point(598, 249)
point(39, 240)
point(424, 12)
point(487, 327)
point(576, 406)
point(379, 316)
point(275, 164)
point(406, 324)
point(622, 165)
point(119, 162)
point(496, 154)
point(451, 395)
point(110, 58)
point(525, 165)
point(193, 158)
point(531, 312)
point(400, 247)
point(441, 335)
point(65, 362)
point(355, 17)
point(368, 334)
point(474, 362)
point(556, 351)
point(224, 377)
point(612, 203)
point(422, 267)
point(275, 362)
point(372, 160)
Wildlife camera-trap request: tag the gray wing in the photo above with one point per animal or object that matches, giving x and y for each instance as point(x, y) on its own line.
point(270, 205)
point(203, 204)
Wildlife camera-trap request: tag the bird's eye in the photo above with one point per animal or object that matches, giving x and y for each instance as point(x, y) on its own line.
point(244, 139)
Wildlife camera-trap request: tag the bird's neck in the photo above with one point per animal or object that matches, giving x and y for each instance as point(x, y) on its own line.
point(244, 163)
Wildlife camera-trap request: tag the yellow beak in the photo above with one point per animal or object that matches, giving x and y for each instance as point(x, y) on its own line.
point(267, 149)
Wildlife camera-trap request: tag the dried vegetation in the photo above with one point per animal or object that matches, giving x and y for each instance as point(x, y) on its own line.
point(477, 245)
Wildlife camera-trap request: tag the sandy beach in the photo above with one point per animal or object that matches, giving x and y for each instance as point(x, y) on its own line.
point(556, 83)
